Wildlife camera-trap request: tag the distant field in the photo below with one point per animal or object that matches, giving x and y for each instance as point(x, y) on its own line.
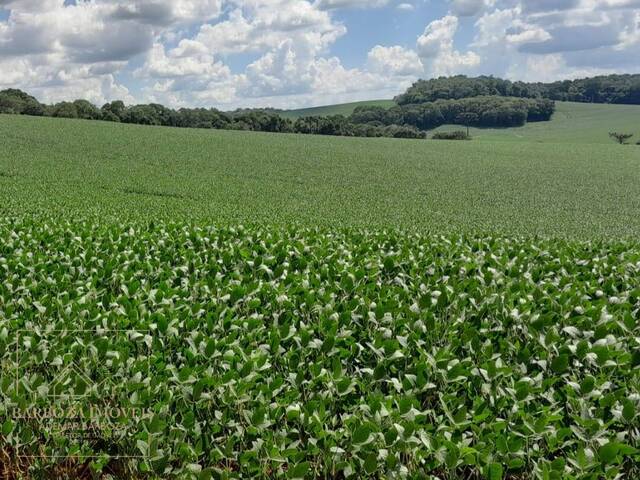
point(340, 109)
point(226, 176)
point(572, 123)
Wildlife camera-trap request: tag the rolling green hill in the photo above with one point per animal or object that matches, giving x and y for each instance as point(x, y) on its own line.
point(49, 164)
point(345, 109)
point(572, 123)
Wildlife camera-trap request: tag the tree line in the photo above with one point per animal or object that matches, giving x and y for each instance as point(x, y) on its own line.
point(480, 111)
point(602, 89)
point(14, 101)
point(401, 121)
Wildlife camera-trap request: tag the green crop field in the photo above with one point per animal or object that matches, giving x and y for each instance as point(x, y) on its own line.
point(199, 304)
point(225, 176)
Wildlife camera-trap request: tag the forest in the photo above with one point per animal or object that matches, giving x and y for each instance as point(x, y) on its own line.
point(480, 111)
point(264, 120)
point(624, 89)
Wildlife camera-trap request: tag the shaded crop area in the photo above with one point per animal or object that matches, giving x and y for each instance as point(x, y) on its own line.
point(271, 352)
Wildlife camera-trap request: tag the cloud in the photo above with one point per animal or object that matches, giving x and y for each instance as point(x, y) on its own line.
point(61, 83)
point(564, 39)
point(267, 24)
point(436, 48)
point(551, 67)
point(527, 34)
point(287, 73)
point(287, 69)
point(196, 10)
point(395, 60)
point(438, 37)
point(31, 5)
point(492, 27)
point(467, 8)
point(187, 75)
point(97, 30)
point(332, 4)
point(188, 59)
point(556, 40)
point(65, 49)
point(86, 36)
point(548, 5)
point(630, 36)
point(24, 36)
point(405, 7)
point(613, 4)
point(151, 13)
point(164, 13)
point(292, 38)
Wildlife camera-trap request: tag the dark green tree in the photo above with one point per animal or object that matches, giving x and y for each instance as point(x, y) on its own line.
point(621, 138)
point(467, 119)
point(18, 102)
point(64, 110)
point(87, 110)
point(111, 111)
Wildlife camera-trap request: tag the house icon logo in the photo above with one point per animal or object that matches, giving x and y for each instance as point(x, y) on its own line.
point(72, 382)
point(83, 387)
point(92, 372)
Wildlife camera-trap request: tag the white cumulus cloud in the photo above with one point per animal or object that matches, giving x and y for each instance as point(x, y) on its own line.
point(395, 60)
point(331, 4)
point(436, 48)
point(287, 53)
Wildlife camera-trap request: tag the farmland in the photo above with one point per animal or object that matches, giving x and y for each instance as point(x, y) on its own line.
point(287, 306)
point(572, 123)
point(440, 354)
point(560, 190)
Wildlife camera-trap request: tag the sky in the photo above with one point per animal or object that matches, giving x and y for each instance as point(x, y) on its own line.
point(297, 53)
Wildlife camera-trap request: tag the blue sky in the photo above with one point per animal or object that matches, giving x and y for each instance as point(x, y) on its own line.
point(294, 53)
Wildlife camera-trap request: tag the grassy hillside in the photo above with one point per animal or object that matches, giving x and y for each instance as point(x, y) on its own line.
point(480, 186)
point(572, 123)
point(345, 109)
